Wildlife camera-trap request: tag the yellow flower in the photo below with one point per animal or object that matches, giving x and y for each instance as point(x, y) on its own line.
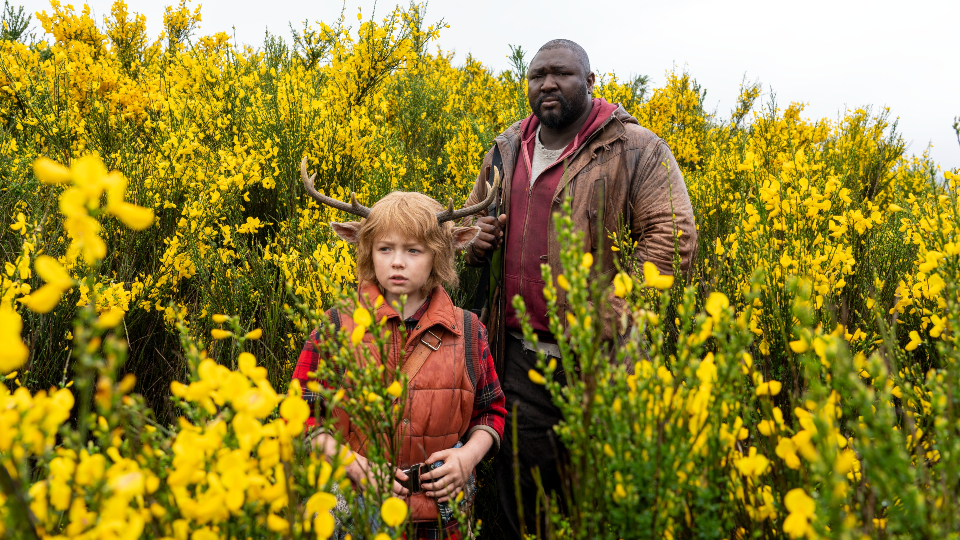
point(622, 285)
point(802, 509)
point(914, 341)
point(133, 216)
point(49, 171)
point(716, 303)
point(111, 318)
point(393, 511)
point(321, 502)
point(254, 334)
point(799, 346)
point(754, 464)
point(770, 388)
point(220, 318)
point(50, 270)
point(652, 277)
point(13, 353)
point(767, 427)
point(20, 224)
point(357, 336)
point(277, 524)
point(587, 261)
point(85, 233)
point(220, 334)
point(73, 203)
point(295, 411)
point(938, 326)
point(787, 451)
point(536, 377)
point(90, 469)
point(44, 299)
point(563, 283)
point(248, 366)
point(395, 389)
point(127, 383)
point(362, 317)
point(846, 461)
point(323, 525)
point(88, 174)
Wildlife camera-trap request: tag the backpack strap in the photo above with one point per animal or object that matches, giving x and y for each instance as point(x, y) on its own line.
point(335, 320)
point(429, 342)
point(470, 334)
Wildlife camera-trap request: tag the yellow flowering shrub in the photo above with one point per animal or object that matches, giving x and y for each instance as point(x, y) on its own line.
point(684, 430)
point(797, 383)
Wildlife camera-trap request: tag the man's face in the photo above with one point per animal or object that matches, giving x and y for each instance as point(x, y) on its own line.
point(556, 87)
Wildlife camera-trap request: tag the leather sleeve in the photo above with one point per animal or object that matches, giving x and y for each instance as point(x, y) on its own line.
point(662, 216)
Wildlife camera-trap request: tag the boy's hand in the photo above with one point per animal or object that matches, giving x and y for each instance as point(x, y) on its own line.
point(491, 234)
point(399, 490)
point(444, 482)
point(363, 475)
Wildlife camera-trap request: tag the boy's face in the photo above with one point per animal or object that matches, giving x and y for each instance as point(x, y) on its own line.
point(402, 264)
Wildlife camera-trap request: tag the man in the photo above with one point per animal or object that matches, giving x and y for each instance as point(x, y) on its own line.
point(572, 147)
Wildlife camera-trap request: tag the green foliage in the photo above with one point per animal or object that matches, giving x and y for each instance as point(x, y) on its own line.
point(15, 23)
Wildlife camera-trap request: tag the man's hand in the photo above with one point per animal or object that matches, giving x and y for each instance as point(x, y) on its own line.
point(491, 234)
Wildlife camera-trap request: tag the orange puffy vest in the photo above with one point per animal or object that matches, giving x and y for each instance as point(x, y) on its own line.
point(439, 397)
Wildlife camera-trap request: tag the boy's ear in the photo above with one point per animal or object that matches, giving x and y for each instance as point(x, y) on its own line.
point(464, 236)
point(349, 231)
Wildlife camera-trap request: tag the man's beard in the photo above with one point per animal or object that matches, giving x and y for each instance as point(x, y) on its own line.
point(568, 113)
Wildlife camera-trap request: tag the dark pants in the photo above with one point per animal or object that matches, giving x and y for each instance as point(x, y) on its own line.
point(538, 446)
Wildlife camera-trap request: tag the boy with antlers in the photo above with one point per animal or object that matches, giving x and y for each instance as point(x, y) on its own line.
point(405, 246)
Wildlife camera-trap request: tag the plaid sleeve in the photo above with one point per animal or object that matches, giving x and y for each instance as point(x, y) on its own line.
point(489, 404)
point(307, 363)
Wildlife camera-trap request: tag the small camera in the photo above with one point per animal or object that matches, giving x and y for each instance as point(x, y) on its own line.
point(413, 477)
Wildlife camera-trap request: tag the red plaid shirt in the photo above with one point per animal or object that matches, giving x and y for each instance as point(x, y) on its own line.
point(489, 404)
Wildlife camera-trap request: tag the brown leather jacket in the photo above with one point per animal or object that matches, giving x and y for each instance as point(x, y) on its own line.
point(643, 188)
point(440, 395)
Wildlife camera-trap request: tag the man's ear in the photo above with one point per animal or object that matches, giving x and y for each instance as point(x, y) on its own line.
point(464, 236)
point(349, 231)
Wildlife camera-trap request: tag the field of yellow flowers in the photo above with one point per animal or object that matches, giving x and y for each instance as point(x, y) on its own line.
point(162, 267)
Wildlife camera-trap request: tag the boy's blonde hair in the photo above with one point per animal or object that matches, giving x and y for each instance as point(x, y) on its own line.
point(415, 215)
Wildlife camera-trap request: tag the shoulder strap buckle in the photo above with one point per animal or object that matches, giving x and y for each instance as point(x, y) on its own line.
point(436, 337)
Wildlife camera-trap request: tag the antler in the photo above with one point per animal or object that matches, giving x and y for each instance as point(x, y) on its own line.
point(451, 214)
point(354, 207)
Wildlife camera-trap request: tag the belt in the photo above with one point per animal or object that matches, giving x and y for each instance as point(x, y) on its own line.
point(549, 349)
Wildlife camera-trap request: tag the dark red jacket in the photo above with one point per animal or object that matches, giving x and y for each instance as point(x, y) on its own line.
point(530, 206)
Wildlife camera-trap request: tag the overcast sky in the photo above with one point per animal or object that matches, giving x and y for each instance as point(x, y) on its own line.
point(830, 54)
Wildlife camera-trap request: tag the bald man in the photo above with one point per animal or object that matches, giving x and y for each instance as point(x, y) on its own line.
point(568, 148)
